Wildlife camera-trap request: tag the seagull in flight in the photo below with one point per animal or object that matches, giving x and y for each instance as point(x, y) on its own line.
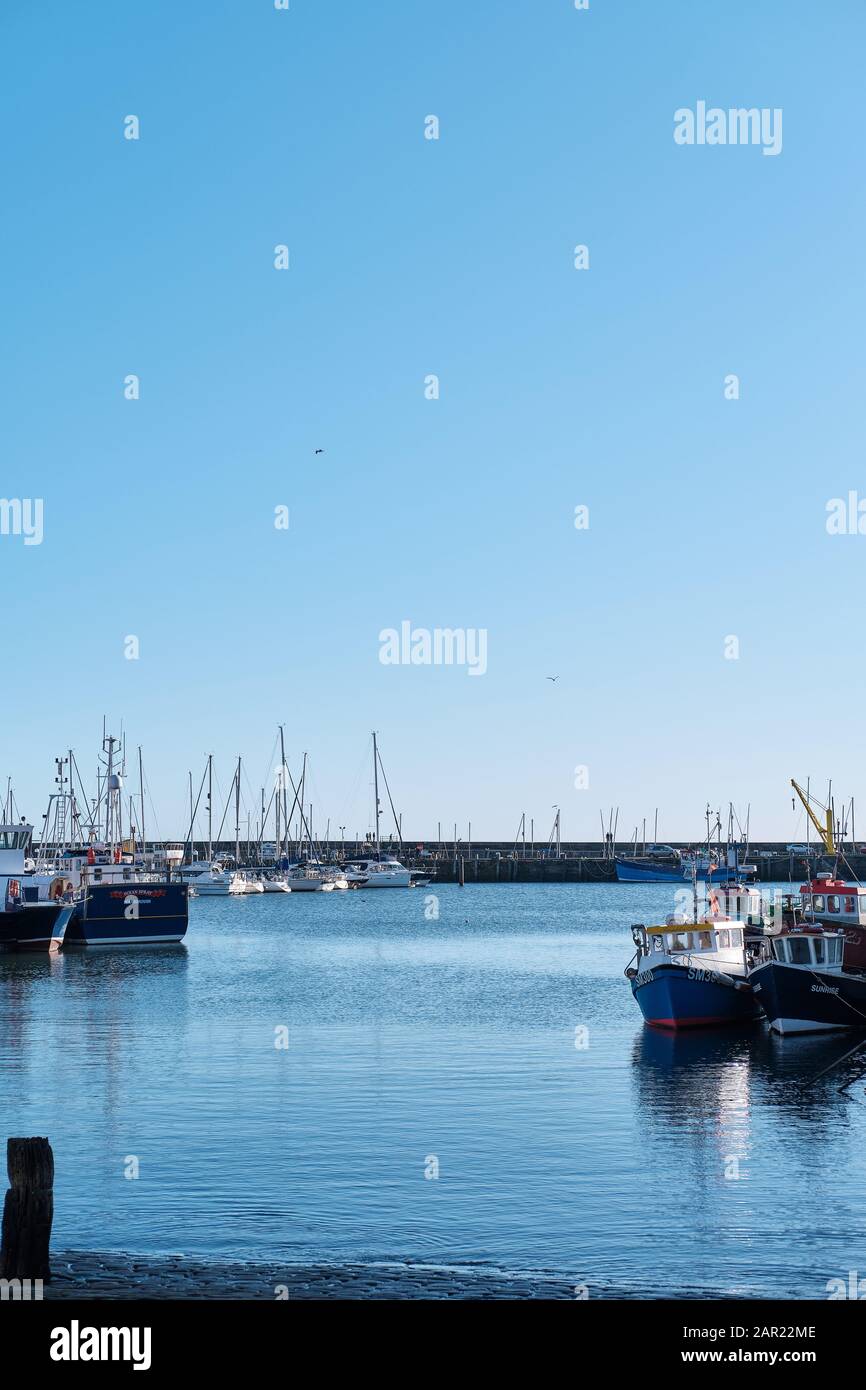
point(320, 451)
point(552, 678)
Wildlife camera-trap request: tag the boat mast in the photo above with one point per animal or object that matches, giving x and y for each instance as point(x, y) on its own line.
point(141, 797)
point(238, 812)
point(210, 808)
point(376, 789)
point(281, 787)
point(303, 825)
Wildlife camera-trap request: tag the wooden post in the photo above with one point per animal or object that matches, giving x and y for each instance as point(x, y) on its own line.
point(28, 1210)
point(462, 877)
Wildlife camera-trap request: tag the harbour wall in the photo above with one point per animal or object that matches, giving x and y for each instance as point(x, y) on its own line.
point(576, 862)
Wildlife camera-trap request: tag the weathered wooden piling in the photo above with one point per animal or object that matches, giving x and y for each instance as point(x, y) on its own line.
point(462, 879)
point(28, 1210)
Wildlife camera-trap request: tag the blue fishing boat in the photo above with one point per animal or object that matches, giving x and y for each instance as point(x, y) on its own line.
point(695, 974)
point(714, 863)
point(678, 870)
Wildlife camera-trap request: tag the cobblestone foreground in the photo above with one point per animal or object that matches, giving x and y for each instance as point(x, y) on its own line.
point(83, 1275)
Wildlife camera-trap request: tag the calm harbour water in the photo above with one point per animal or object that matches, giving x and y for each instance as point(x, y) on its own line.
point(411, 1038)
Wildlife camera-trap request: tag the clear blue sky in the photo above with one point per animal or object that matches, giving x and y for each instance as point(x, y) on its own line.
point(558, 388)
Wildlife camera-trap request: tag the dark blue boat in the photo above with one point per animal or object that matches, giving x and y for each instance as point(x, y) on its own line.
point(133, 913)
point(802, 984)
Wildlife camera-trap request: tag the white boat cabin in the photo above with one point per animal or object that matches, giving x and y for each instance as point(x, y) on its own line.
point(707, 945)
point(14, 863)
point(810, 948)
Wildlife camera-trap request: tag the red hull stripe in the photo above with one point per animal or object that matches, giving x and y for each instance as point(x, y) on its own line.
point(689, 1022)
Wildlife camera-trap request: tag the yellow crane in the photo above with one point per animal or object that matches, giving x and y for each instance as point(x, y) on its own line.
point(825, 831)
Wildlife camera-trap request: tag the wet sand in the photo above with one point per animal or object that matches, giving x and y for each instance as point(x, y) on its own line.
point(80, 1275)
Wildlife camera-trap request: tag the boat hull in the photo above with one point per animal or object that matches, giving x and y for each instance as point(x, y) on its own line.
point(678, 996)
point(809, 1001)
point(398, 878)
point(31, 928)
point(131, 914)
point(635, 871)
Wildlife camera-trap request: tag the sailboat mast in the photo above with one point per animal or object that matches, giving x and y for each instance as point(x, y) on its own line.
point(141, 797)
point(301, 804)
point(376, 788)
point(210, 808)
point(281, 787)
point(238, 812)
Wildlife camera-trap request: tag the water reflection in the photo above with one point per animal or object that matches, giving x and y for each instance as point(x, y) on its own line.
point(409, 1037)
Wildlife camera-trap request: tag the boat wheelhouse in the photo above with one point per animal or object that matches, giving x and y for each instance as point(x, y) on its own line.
point(835, 903)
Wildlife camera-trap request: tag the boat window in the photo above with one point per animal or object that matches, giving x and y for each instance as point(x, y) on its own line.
point(736, 935)
point(817, 902)
point(723, 937)
point(818, 945)
point(798, 950)
point(704, 940)
point(14, 839)
point(97, 875)
point(832, 903)
point(850, 904)
point(779, 948)
point(834, 951)
point(679, 941)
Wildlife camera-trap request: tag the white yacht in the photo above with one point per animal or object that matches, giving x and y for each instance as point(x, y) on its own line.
point(383, 871)
point(308, 879)
point(210, 880)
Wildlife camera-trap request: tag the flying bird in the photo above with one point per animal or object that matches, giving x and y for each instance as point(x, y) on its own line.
point(320, 451)
point(552, 678)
